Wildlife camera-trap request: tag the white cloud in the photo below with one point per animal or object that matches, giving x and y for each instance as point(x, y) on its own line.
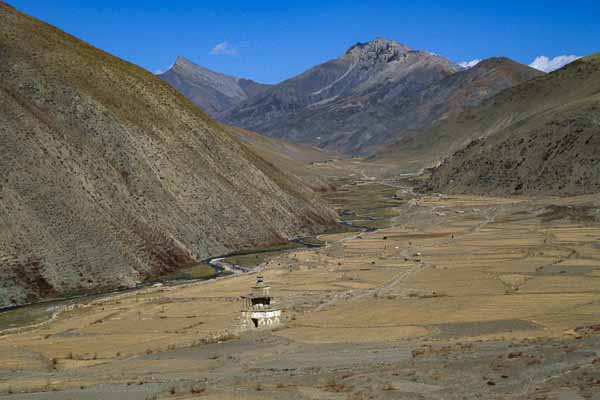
point(224, 49)
point(546, 64)
point(469, 64)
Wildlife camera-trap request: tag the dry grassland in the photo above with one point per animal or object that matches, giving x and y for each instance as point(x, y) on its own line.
point(458, 268)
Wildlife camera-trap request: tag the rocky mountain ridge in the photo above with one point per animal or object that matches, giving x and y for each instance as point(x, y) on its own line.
point(323, 106)
point(213, 92)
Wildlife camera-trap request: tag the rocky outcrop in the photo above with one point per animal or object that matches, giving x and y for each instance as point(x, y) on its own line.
point(109, 176)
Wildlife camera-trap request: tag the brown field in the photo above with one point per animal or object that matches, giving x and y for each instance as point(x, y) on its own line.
point(449, 270)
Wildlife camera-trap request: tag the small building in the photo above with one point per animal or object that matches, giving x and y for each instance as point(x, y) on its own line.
point(259, 311)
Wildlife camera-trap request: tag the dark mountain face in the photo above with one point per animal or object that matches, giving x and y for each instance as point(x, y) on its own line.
point(211, 91)
point(110, 177)
point(542, 137)
point(373, 120)
point(341, 104)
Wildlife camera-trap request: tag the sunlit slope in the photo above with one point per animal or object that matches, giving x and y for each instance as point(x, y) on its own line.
point(109, 176)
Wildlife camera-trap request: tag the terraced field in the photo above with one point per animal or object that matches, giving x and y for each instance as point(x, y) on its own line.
point(450, 283)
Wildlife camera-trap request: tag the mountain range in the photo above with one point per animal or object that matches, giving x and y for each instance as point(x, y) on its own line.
point(374, 94)
point(538, 138)
point(110, 177)
point(498, 127)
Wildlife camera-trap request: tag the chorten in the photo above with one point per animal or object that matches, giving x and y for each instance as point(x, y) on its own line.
point(259, 311)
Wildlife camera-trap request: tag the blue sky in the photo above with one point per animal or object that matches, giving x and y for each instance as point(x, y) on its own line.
point(272, 40)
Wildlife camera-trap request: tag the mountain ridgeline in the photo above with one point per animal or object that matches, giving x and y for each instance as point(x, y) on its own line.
point(340, 105)
point(111, 177)
point(374, 94)
point(211, 91)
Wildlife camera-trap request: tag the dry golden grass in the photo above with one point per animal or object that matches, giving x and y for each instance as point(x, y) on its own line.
point(408, 282)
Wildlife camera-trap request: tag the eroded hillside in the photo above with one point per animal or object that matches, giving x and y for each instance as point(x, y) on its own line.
point(109, 176)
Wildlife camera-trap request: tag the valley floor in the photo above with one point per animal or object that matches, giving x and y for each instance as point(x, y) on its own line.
point(451, 298)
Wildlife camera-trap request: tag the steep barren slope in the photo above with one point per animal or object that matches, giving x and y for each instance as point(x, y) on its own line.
point(331, 104)
point(213, 92)
point(466, 88)
point(290, 157)
point(436, 111)
point(542, 137)
point(109, 176)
